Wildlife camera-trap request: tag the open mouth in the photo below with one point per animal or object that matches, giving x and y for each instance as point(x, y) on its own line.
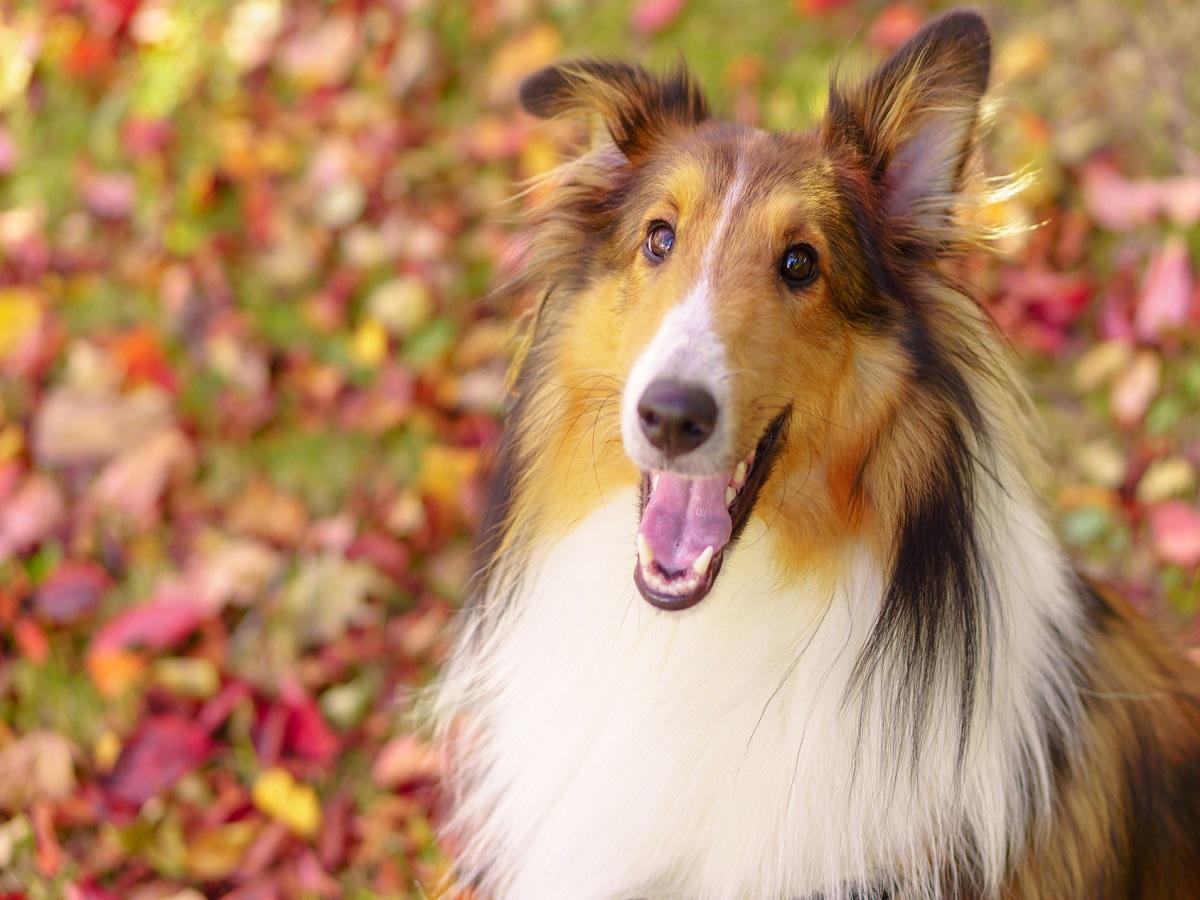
point(687, 524)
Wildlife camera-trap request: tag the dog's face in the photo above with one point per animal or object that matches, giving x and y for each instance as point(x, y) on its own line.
point(741, 287)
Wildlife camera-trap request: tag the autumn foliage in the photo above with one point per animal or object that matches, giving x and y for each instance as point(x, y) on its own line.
point(249, 371)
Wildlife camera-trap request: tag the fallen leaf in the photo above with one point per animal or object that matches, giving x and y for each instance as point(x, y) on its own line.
point(134, 483)
point(20, 317)
point(1166, 295)
point(109, 196)
point(215, 853)
point(1100, 363)
point(445, 471)
point(369, 345)
point(1175, 528)
point(328, 595)
point(187, 676)
point(161, 750)
point(894, 25)
point(30, 515)
point(114, 671)
point(75, 426)
point(36, 767)
point(31, 640)
point(158, 623)
point(322, 55)
point(652, 16)
point(404, 760)
point(266, 512)
point(1135, 387)
point(401, 305)
point(306, 733)
point(1116, 202)
point(282, 798)
point(71, 592)
point(1163, 479)
point(1101, 463)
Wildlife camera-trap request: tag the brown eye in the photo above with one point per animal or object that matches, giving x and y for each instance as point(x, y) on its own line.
point(798, 265)
point(659, 240)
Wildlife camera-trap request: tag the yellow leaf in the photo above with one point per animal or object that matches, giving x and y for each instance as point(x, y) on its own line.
point(278, 795)
point(106, 750)
point(445, 470)
point(20, 316)
point(370, 344)
point(12, 441)
point(215, 853)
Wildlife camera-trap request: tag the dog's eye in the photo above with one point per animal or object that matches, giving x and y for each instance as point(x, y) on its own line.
point(659, 240)
point(798, 265)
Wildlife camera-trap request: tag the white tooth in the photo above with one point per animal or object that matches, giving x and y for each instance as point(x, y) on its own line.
point(739, 473)
point(730, 495)
point(702, 561)
point(653, 482)
point(645, 554)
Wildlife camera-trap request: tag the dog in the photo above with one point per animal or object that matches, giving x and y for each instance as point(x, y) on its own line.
point(768, 605)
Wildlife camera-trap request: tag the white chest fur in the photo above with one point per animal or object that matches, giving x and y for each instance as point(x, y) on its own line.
point(629, 752)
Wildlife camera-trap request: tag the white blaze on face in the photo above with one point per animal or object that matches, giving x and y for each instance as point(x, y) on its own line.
point(687, 348)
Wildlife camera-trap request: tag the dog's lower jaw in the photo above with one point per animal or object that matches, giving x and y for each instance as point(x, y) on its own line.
point(626, 752)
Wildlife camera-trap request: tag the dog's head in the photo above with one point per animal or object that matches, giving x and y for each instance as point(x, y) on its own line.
point(750, 290)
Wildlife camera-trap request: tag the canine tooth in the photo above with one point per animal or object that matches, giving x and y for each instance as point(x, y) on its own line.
point(739, 473)
point(645, 554)
point(702, 561)
point(730, 495)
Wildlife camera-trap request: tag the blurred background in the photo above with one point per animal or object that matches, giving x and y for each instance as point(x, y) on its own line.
point(248, 368)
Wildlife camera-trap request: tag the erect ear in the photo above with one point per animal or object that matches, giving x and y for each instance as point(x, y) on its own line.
point(915, 119)
point(638, 109)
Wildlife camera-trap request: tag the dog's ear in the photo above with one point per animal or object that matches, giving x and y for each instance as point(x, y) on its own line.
point(638, 109)
point(914, 121)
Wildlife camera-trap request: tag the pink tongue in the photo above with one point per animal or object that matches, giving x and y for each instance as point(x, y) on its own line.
point(683, 516)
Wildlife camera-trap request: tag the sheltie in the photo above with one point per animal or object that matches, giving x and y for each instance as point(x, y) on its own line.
point(769, 606)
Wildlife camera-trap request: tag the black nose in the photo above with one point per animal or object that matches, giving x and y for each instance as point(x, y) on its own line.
point(677, 417)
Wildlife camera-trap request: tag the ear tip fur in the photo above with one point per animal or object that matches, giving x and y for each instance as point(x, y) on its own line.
point(967, 32)
point(541, 92)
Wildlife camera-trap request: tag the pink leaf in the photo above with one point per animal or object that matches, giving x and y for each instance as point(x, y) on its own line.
point(404, 760)
point(1175, 527)
point(1166, 292)
point(161, 750)
point(109, 196)
point(30, 515)
point(1181, 200)
point(1116, 202)
point(1135, 388)
point(157, 623)
point(650, 16)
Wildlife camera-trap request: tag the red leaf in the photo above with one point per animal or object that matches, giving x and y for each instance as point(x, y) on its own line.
point(71, 592)
point(158, 623)
point(306, 734)
point(140, 354)
point(895, 25)
point(31, 640)
point(650, 16)
point(1166, 292)
point(818, 7)
point(163, 749)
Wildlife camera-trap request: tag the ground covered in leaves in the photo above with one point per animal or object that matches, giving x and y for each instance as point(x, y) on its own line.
point(246, 379)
